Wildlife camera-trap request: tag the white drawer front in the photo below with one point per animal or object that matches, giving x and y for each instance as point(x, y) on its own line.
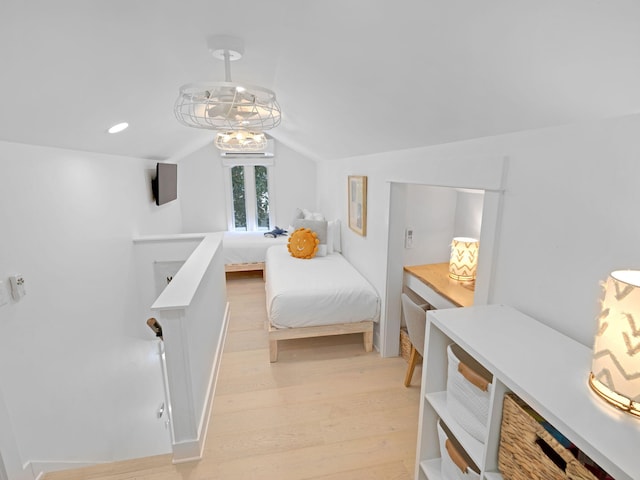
point(433, 298)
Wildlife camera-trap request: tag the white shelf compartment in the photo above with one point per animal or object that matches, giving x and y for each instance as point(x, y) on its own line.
point(549, 371)
point(493, 476)
point(432, 469)
point(473, 447)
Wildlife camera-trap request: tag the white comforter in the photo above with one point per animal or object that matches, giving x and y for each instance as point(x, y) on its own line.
point(319, 291)
point(248, 247)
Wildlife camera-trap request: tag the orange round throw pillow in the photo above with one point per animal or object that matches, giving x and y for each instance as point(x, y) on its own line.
point(303, 243)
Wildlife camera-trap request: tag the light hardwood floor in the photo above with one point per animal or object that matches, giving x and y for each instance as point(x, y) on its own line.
point(326, 410)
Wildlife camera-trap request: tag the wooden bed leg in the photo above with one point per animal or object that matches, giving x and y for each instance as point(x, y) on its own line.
point(273, 350)
point(368, 341)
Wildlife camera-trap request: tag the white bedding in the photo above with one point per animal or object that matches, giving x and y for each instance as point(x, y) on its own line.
point(319, 291)
point(248, 247)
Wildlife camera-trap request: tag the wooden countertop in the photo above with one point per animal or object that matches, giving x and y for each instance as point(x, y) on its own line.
point(436, 276)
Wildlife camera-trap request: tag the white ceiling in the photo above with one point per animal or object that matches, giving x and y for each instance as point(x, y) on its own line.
point(352, 76)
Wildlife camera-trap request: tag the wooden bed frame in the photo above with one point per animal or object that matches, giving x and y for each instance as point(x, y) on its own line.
point(275, 334)
point(244, 267)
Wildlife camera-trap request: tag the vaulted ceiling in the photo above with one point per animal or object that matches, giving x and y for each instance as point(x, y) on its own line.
point(352, 76)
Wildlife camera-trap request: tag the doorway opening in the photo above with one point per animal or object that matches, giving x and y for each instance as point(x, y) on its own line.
point(435, 214)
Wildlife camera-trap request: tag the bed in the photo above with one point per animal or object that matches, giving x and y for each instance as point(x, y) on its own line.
point(321, 296)
point(245, 251)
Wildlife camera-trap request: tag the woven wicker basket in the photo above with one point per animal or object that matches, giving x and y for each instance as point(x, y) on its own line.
point(405, 344)
point(529, 452)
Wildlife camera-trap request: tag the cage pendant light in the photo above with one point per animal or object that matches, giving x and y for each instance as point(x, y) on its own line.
point(241, 141)
point(227, 106)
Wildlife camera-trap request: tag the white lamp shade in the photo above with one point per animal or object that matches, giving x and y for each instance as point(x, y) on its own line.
point(615, 370)
point(464, 259)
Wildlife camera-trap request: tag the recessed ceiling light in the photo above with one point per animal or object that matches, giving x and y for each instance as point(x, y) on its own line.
point(118, 128)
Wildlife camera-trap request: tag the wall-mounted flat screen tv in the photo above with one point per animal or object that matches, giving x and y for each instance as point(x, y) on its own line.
point(165, 185)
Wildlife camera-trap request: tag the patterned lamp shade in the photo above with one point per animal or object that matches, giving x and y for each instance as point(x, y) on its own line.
point(615, 370)
point(464, 259)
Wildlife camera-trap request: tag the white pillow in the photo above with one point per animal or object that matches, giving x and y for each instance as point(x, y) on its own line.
point(333, 234)
point(308, 215)
point(331, 226)
point(298, 214)
point(321, 228)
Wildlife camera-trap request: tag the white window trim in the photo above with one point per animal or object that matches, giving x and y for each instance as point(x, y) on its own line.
point(250, 197)
point(250, 192)
point(272, 197)
point(247, 161)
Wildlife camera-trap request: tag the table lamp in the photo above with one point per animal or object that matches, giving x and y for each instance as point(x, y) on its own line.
point(464, 259)
point(615, 369)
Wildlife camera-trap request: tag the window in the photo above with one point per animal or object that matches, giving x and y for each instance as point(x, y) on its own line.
point(248, 197)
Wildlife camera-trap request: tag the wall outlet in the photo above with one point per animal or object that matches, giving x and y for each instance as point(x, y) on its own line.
point(18, 289)
point(408, 237)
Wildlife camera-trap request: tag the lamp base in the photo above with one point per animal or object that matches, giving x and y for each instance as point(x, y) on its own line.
point(462, 278)
point(614, 398)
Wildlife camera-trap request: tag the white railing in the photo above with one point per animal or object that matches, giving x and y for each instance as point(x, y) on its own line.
point(193, 313)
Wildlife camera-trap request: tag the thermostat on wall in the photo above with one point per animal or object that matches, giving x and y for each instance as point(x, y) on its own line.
point(408, 237)
point(17, 286)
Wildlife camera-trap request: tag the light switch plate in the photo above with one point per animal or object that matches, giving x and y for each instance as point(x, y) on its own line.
point(4, 294)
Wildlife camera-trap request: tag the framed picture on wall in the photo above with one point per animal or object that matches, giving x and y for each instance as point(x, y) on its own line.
point(358, 204)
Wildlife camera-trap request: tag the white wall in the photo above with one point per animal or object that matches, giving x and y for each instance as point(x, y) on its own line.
point(431, 211)
point(74, 352)
point(437, 214)
point(10, 459)
point(295, 184)
point(468, 216)
point(569, 216)
point(202, 190)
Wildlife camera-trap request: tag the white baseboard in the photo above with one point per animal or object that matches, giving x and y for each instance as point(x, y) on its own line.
point(191, 450)
point(39, 468)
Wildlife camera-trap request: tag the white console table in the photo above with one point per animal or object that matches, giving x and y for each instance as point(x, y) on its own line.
point(545, 368)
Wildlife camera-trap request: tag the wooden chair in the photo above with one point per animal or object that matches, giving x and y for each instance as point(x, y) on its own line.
point(416, 319)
